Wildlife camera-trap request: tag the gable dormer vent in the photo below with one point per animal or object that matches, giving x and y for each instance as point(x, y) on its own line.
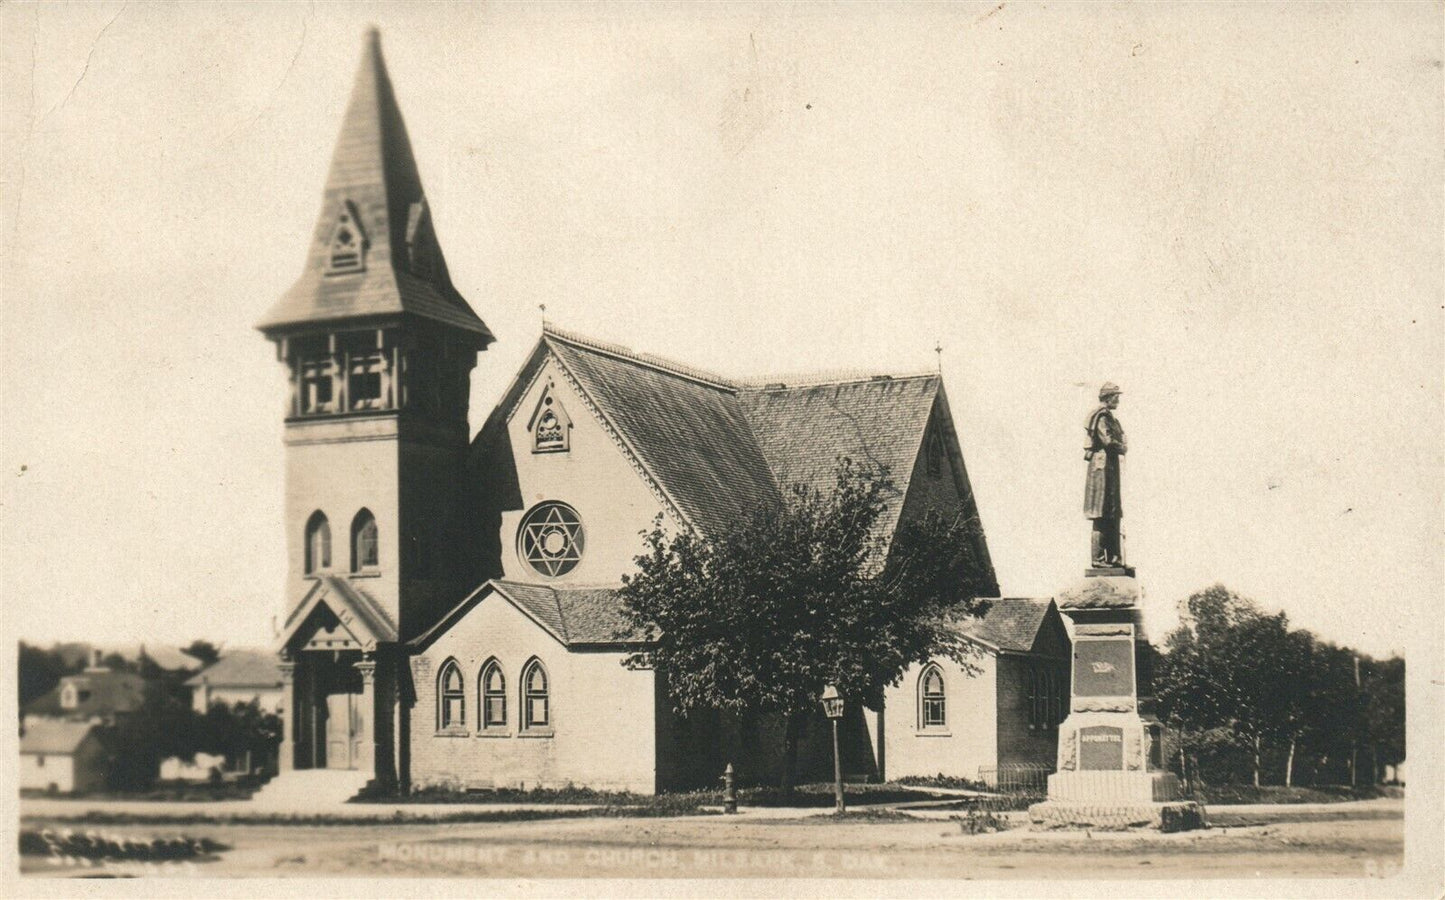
point(347, 251)
point(551, 427)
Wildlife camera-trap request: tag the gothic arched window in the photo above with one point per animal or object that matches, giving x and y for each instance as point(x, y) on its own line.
point(318, 543)
point(550, 539)
point(932, 704)
point(451, 698)
point(365, 554)
point(536, 705)
point(494, 696)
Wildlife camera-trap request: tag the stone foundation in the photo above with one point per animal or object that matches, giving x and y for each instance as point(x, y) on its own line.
point(1179, 815)
point(1114, 787)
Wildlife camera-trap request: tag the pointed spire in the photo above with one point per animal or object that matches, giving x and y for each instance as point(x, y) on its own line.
point(374, 252)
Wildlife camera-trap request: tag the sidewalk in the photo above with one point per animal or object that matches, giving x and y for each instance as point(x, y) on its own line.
point(244, 810)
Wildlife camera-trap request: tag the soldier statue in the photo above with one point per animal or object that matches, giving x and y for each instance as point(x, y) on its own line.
point(1102, 503)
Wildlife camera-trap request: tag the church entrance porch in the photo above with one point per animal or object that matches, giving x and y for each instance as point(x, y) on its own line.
point(331, 714)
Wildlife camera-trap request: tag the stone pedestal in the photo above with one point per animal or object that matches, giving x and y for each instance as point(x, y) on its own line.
point(1109, 773)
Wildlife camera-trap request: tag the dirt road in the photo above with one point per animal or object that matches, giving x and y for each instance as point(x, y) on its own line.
point(1360, 843)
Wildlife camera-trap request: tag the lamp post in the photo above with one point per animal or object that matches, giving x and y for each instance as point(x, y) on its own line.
point(833, 708)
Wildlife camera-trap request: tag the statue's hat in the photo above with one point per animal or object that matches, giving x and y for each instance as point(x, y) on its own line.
point(1110, 389)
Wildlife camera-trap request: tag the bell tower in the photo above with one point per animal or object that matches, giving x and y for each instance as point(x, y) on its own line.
point(378, 347)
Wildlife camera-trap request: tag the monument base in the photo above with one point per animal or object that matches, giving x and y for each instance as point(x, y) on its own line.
point(1176, 815)
point(1114, 787)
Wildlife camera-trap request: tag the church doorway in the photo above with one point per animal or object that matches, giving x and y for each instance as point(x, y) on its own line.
point(334, 717)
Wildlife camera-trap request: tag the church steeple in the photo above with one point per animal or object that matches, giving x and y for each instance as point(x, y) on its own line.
point(374, 255)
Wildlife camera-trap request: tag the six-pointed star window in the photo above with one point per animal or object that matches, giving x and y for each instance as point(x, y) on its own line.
point(551, 539)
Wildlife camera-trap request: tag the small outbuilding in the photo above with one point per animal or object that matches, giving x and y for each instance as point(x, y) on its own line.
point(61, 756)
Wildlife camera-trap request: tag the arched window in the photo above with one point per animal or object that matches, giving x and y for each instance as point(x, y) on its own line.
point(452, 697)
point(494, 696)
point(318, 543)
point(364, 551)
point(536, 710)
point(932, 708)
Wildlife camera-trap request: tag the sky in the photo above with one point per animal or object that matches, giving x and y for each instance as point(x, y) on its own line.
point(1234, 212)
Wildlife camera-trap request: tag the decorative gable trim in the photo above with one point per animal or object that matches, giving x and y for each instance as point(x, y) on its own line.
point(523, 390)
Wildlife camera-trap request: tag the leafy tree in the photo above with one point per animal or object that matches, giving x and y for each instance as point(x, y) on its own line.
point(163, 726)
point(204, 651)
point(760, 617)
point(1383, 703)
point(39, 671)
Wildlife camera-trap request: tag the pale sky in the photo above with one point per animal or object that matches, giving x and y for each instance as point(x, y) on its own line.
point(1235, 212)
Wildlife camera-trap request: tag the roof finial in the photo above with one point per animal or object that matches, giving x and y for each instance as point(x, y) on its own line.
point(543, 308)
point(938, 349)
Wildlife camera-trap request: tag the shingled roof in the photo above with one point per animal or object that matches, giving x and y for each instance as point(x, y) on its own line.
point(374, 175)
point(575, 616)
point(241, 668)
point(1011, 624)
point(56, 737)
point(718, 448)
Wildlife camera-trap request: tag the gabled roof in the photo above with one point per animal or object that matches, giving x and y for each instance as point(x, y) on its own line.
point(688, 432)
point(575, 616)
point(109, 692)
point(1011, 624)
point(241, 668)
point(370, 625)
point(717, 449)
point(878, 420)
point(53, 736)
point(374, 173)
point(169, 658)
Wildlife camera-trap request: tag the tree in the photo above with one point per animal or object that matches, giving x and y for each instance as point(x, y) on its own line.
point(204, 652)
point(39, 671)
point(1383, 702)
point(1232, 666)
point(760, 617)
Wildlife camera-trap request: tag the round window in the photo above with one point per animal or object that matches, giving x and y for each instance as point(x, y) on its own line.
point(550, 539)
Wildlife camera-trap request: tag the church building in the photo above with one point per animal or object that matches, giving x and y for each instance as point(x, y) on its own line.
point(450, 611)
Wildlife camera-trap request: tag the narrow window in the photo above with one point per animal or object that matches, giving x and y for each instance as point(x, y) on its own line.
point(318, 543)
point(550, 424)
point(318, 385)
point(364, 551)
point(933, 713)
point(494, 696)
point(367, 387)
point(452, 710)
point(536, 713)
point(934, 450)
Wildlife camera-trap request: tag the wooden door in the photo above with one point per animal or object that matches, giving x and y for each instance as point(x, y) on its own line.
point(340, 731)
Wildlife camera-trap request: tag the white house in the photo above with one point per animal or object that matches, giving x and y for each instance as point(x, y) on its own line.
point(61, 756)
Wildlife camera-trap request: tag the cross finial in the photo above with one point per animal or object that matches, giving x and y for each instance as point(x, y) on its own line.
point(938, 348)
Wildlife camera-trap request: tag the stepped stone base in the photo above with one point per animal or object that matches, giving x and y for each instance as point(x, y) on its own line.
point(1178, 815)
point(1114, 787)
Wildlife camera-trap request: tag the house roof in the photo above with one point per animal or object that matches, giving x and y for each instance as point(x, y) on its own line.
point(575, 616)
point(169, 658)
point(374, 175)
point(53, 736)
point(108, 692)
point(1011, 623)
point(241, 668)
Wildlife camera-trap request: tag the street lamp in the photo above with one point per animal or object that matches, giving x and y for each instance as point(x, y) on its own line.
point(833, 708)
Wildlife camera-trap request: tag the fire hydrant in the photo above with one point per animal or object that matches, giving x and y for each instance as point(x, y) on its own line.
point(730, 790)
